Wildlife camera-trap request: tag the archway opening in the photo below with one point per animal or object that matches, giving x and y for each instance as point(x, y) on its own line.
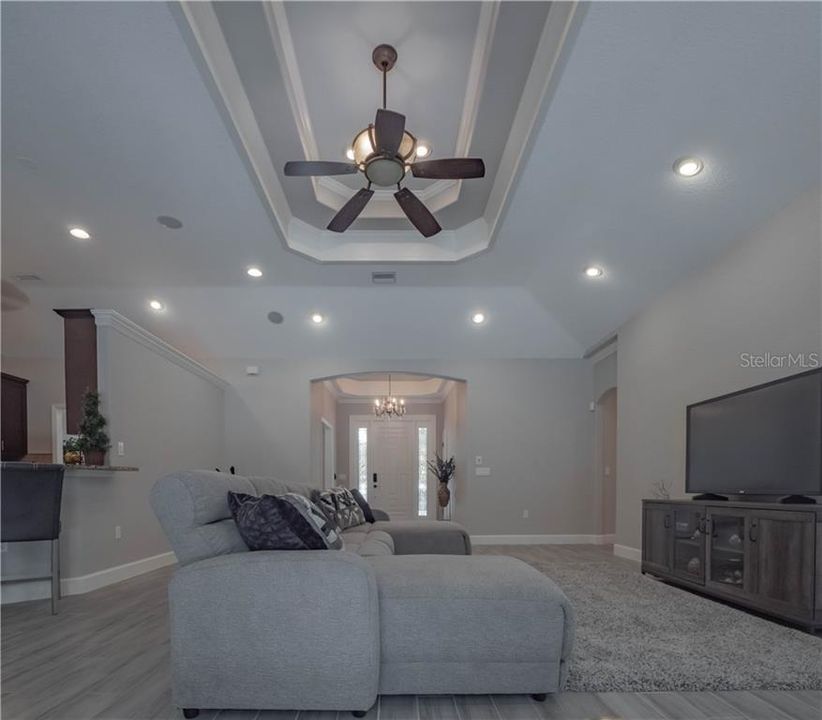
point(386, 456)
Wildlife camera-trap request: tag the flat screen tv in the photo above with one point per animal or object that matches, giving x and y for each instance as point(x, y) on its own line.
point(766, 440)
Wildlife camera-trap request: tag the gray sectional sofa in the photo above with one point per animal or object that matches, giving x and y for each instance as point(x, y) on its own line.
point(403, 608)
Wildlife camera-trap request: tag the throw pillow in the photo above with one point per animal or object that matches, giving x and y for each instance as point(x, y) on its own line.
point(324, 499)
point(363, 503)
point(284, 522)
point(349, 513)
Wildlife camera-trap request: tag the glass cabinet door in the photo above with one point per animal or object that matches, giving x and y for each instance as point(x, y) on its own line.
point(689, 544)
point(727, 550)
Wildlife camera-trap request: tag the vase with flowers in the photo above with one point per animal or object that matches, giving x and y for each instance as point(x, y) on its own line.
point(443, 470)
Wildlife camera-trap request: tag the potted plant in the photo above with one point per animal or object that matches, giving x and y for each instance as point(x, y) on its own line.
point(443, 470)
point(93, 440)
point(71, 452)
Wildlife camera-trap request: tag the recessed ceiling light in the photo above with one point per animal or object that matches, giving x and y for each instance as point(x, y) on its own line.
point(156, 305)
point(478, 318)
point(592, 271)
point(317, 319)
point(275, 317)
point(167, 221)
point(423, 150)
point(254, 272)
point(350, 153)
point(688, 166)
point(79, 233)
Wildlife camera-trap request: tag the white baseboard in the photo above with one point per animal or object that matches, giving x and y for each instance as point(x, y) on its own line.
point(629, 553)
point(39, 590)
point(542, 539)
point(109, 576)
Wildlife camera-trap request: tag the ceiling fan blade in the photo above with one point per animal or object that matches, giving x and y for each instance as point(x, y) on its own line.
point(388, 129)
point(417, 213)
point(449, 169)
point(348, 213)
point(306, 168)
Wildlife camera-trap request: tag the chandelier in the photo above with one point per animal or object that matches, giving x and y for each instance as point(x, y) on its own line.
point(389, 405)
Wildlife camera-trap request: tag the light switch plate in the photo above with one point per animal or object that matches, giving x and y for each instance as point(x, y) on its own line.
point(478, 460)
point(483, 471)
point(121, 448)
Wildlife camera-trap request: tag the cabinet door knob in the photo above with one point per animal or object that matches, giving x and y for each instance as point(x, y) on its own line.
point(754, 527)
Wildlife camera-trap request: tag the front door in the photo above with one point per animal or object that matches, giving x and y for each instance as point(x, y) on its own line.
point(388, 464)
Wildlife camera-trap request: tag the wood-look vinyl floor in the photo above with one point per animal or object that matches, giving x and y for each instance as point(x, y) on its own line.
point(105, 656)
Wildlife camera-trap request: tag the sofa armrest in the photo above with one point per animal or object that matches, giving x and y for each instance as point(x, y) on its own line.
point(275, 630)
point(380, 514)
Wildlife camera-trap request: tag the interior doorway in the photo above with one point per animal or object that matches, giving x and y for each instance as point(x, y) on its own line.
point(386, 456)
point(607, 460)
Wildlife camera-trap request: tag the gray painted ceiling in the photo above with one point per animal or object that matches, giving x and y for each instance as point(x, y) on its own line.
point(108, 123)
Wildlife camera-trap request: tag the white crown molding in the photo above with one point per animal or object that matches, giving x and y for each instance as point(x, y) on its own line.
point(333, 193)
point(375, 246)
point(206, 30)
point(477, 71)
point(543, 79)
point(131, 330)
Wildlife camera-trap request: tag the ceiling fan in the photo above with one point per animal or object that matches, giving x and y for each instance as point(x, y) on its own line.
point(384, 152)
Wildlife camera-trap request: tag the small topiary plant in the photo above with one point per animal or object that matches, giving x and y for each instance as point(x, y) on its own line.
point(93, 440)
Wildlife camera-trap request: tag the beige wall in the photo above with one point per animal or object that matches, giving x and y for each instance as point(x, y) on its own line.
point(528, 419)
point(168, 418)
point(763, 296)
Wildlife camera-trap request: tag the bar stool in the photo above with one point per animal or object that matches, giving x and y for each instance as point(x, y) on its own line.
point(30, 512)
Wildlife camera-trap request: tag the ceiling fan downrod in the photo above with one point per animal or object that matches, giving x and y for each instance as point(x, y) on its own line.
point(384, 57)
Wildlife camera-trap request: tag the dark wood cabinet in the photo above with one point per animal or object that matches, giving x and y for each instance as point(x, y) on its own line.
point(657, 538)
point(782, 562)
point(760, 555)
point(14, 437)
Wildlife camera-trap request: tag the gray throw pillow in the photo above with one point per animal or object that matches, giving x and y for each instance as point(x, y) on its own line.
point(349, 513)
point(282, 522)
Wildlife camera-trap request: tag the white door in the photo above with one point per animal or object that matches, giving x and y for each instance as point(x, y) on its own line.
point(388, 458)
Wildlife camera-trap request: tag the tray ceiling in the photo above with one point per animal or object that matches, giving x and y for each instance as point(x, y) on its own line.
point(297, 82)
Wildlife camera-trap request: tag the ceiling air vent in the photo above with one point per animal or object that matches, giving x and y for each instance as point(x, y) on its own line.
point(27, 278)
point(384, 278)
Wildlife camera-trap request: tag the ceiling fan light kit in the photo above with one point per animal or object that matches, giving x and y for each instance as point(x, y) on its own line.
point(383, 153)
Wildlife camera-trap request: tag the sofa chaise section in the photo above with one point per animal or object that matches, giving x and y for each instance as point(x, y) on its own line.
point(466, 625)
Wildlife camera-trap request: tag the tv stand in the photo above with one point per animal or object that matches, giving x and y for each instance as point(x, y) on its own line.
point(765, 556)
point(710, 496)
point(797, 500)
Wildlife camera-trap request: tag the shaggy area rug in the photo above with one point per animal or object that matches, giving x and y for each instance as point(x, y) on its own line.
point(635, 633)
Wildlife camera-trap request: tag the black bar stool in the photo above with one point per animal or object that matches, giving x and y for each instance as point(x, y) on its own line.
point(31, 497)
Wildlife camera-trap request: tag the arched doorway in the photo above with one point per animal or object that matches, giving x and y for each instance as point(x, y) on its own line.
point(386, 457)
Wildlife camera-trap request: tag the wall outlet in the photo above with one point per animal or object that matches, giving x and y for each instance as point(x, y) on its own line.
point(118, 532)
point(121, 448)
point(483, 471)
point(524, 514)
